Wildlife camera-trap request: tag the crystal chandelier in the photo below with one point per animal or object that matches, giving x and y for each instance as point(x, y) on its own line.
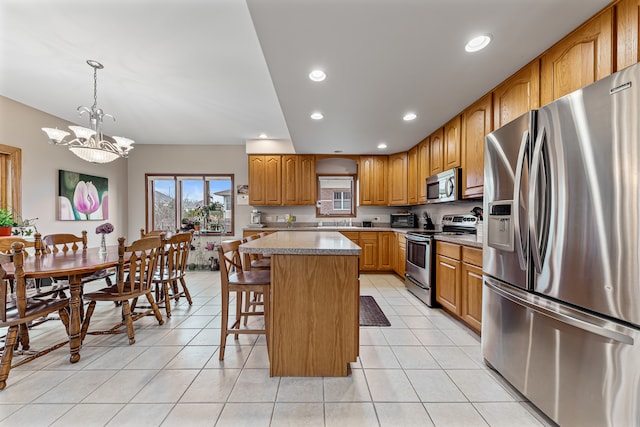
point(89, 144)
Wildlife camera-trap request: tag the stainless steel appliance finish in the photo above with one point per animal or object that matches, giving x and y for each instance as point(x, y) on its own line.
point(403, 220)
point(419, 267)
point(445, 186)
point(419, 272)
point(561, 312)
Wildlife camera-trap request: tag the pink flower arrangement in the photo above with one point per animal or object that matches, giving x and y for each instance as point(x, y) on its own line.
point(105, 228)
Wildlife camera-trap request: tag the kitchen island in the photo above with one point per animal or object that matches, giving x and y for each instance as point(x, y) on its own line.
point(314, 310)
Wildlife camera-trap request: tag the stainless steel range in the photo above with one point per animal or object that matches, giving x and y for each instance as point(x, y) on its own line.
point(421, 255)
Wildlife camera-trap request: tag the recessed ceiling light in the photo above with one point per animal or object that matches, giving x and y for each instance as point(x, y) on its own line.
point(337, 151)
point(262, 136)
point(317, 75)
point(478, 43)
point(409, 116)
point(382, 146)
point(317, 115)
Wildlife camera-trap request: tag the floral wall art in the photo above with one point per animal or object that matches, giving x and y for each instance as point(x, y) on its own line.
point(82, 197)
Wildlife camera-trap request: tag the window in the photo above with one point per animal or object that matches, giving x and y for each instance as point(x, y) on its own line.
point(203, 202)
point(336, 196)
point(10, 184)
point(342, 201)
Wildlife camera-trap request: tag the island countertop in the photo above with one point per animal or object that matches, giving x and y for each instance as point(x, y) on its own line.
point(302, 243)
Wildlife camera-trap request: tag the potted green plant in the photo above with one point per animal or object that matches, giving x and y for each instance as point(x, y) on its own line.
point(6, 222)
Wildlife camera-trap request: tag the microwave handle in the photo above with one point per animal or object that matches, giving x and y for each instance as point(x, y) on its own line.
point(450, 187)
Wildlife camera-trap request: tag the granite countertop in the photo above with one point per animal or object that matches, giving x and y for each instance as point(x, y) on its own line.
point(302, 243)
point(333, 228)
point(461, 239)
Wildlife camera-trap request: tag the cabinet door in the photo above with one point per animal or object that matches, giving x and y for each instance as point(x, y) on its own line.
point(627, 33)
point(581, 58)
point(477, 123)
point(257, 181)
point(471, 286)
point(369, 254)
point(299, 180)
point(448, 283)
point(366, 177)
point(273, 180)
point(402, 254)
point(290, 179)
point(517, 95)
point(398, 179)
point(373, 181)
point(451, 144)
point(412, 177)
point(436, 152)
point(385, 250)
point(423, 170)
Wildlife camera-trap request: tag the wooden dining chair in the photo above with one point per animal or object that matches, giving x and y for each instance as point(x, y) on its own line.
point(256, 261)
point(234, 279)
point(17, 310)
point(134, 274)
point(171, 269)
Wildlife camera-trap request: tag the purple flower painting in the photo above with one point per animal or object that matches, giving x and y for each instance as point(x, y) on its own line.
point(82, 197)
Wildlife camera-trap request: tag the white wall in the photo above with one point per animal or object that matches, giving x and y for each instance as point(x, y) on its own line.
point(20, 126)
point(220, 159)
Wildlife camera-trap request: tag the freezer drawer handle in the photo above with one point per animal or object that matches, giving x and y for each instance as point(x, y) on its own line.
point(578, 323)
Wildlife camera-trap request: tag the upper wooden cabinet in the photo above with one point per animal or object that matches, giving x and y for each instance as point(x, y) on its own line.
point(374, 180)
point(451, 153)
point(476, 124)
point(517, 95)
point(265, 180)
point(412, 176)
point(579, 59)
point(398, 179)
point(423, 169)
point(299, 185)
point(436, 152)
point(627, 33)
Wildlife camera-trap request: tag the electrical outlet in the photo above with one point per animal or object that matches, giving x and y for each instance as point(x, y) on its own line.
point(269, 218)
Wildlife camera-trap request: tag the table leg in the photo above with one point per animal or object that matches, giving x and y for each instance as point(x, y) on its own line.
point(75, 303)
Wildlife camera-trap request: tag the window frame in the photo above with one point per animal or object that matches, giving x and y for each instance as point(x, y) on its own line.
point(177, 178)
point(11, 180)
point(349, 213)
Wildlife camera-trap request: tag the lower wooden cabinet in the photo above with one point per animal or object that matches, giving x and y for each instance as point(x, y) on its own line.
point(471, 286)
point(459, 282)
point(401, 255)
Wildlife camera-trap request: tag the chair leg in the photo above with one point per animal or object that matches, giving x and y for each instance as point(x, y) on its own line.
point(236, 324)
point(167, 300)
point(247, 306)
point(126, 314)
point(224, 323)
point(186, 290)
point(87, 320)
point(155, 308)
point(24, 336)
point(64, 318)
point(7, 355)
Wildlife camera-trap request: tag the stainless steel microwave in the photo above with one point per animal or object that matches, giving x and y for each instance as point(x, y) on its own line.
point(404, 220)
point(445, 186)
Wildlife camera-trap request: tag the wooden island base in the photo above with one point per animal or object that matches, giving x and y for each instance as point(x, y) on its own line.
point(315, 315)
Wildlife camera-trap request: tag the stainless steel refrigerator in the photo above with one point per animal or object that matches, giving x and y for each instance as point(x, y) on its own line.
point(561, 292)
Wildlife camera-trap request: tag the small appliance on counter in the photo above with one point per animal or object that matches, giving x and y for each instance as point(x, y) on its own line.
point(256, 219)
point(367, 224)
point(403, 220)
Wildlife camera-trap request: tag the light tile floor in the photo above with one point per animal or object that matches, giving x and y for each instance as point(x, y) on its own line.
point(424, 370)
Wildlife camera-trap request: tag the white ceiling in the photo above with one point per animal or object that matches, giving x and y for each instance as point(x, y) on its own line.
point(224, 71)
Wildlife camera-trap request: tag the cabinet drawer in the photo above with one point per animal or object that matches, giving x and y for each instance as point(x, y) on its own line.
point(448, 249)
point(472, 255)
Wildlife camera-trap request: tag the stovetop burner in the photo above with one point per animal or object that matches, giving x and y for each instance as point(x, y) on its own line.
point(452, 225)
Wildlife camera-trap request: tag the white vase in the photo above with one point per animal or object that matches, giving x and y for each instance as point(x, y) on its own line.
point(103, 245)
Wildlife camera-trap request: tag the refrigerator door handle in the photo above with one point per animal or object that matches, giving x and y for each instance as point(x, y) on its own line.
point(516, 198)
point(533, 229)
point(560, 317)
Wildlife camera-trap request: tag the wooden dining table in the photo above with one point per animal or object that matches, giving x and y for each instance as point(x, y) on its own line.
point(74, 265)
